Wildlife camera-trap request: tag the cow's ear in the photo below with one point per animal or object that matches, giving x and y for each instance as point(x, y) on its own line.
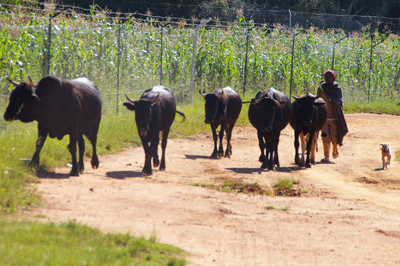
point(129, 106)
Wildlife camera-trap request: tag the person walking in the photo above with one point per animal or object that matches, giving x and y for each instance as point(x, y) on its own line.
point(335, 127)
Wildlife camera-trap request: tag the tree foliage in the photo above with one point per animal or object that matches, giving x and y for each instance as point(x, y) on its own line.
point(226, 9)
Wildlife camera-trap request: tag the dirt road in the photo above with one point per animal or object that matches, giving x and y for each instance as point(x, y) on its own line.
point(350, 215)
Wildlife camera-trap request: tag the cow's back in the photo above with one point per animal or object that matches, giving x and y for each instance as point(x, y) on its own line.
point(233, 104)
point(88, 100)
point(66, 104)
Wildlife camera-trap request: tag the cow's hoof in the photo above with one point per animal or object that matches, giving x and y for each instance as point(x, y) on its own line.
point(308, 165)
point(156, 162)
point(264, 165)
point(95, 163)
point(147, 171)
point(74, 172)
point(214, 155)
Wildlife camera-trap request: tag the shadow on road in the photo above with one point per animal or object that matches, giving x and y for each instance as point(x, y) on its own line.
point(124, 174)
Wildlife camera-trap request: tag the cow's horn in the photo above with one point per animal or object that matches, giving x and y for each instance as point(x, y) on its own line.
point(129, 99)
point(202, 93)
point(30, 85)
point(12, 82)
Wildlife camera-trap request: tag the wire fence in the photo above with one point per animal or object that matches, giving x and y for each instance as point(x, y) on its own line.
point(128, 53)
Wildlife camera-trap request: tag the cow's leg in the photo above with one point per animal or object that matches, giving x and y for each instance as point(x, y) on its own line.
point(42, 135)
point(228, 151)
point(268, 153)
point(296, 148)
point(163, 147)
point(314, 145)
point(73, 138)
point(95, 160)
point(261, 144)
point(81, 145)
point(93, 140)
point(309, 144)
point(276, 156)
point(303, 140)
point(221, 137)
point(215, 138)
point(147, 158)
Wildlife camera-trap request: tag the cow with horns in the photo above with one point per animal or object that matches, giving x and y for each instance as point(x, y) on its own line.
point(222, 108)
point(154, 112)
point(61, 107)
point(269, 112)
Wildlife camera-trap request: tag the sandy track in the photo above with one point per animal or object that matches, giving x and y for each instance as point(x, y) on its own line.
point(350, 215)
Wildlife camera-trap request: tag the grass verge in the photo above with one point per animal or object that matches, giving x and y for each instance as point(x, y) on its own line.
point(33, 243)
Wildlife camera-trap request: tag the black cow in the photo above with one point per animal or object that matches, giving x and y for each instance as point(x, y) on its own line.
point(269, 112)
point(61, 107)
point(154, 112)
point(222, 108)
point(309, 116)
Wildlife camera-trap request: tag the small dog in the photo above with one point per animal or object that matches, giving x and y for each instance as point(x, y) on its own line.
point(386, 155)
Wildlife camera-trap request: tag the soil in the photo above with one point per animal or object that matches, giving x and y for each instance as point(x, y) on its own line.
point(349, 215)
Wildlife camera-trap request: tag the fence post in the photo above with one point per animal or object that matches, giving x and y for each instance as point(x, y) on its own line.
point(161, 52)
point(370, 59)
point(291, 68)
point(118, 63)
point(49, 42)
point(194, 56)
point(245, 63)
point(161, 55)
point(333, 53)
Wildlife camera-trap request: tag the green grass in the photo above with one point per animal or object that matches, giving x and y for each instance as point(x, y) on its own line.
point(34, 243)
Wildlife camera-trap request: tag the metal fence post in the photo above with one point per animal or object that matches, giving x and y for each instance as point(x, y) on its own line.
point(118, 63)
point(161, 51)
point(245, 63)
point(333, 51)
point(370, 60)
point(291, 68)
point(49, 43)
point(161, 55)
point(194, 56)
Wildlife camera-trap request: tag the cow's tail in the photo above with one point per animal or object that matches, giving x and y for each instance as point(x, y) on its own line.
point(182, 114)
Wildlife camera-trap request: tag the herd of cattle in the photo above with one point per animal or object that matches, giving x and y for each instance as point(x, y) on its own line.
point(73, 107)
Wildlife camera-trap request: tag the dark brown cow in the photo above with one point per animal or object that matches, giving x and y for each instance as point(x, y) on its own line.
point(222, 108)
point(154, 112)
point(269, 112)
point(309, 115)
point(61, 107)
